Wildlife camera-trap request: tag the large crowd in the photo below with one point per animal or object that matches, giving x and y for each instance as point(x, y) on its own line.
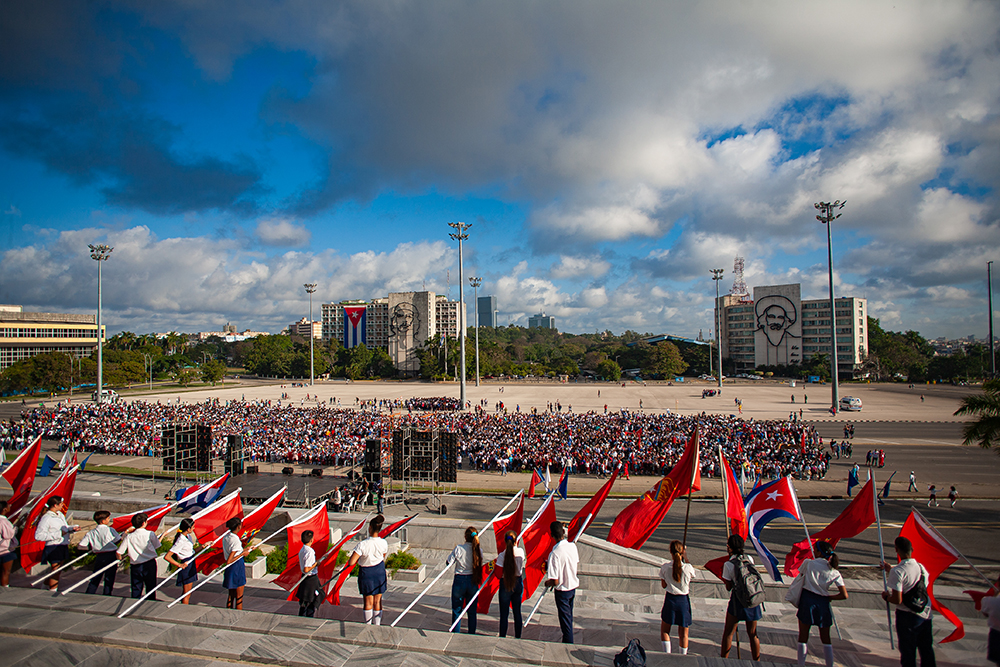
point(320, 434)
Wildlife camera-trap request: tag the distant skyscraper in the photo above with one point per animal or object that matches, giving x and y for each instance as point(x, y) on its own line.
point(541, 321)
point(487, 307)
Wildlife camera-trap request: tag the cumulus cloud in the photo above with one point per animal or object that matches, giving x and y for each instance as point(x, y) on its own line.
point(282, 232)
point(580, 267)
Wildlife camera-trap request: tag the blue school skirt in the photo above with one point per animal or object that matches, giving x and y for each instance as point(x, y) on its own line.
point(741, 613)
point(189, 573)
point(815, 609)
point(372, 580)
point(54, 554)
point(676, 610)
point(235, 575)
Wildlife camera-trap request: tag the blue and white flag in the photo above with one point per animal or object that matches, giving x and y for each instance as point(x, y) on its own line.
point(852, 480)
point(767, 502)
point(885, 489)
point(200, 496)
point(48, 464)
point(563, 484)
point(83, 466)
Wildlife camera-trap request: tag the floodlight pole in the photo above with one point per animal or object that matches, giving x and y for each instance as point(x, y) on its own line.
point(100, 252)
point(989, 291)
point(827, 217)
point(717, 276)
point(476, 282)
point(310, 288)
point(460, 235)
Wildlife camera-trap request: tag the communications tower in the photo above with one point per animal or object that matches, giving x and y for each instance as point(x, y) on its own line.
point(740, 289)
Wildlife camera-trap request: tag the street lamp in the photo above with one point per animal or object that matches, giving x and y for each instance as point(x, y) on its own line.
point(827, 217)
point(100, 253)
point(460, 235)
point(310, 288)
point(148, 359)
point(717, 276)
point(476, 282)
point(989, 288)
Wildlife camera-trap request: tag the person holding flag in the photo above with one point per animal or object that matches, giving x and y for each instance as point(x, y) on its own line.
point(8, 544)
point(907, 589)
point(54, 532)
point(510, 563)
point(181, 556)
point(818, 575)
point(561, 570)
point(309, 592)
point(101, 540)
point(468, 559)
point(234, 578)
point(372, 582)
point(736, 612)
point(140, 544)
point(675, 577)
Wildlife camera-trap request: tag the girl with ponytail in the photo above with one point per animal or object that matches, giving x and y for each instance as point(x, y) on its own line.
point(818, 575)
point(511, 563)
point(372, 581)
point(468, 559)
point(675, 577)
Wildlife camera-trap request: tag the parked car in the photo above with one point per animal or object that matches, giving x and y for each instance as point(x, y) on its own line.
point(107, 396)
point(851, 403)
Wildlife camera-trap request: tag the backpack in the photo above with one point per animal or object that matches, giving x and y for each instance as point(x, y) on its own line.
point(916, 599)
point(632, 655)
point(748, 587)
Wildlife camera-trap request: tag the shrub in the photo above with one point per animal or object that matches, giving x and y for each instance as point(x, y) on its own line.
point(402, 560)
point(342, 559)
point(277, 560)
point(253, 555)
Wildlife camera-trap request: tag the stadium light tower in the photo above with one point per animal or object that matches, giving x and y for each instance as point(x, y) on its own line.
point(827, 217)
point(460, 235)
point(716, 277)
point(476, 282)
point(310, 288)
point(101, 253)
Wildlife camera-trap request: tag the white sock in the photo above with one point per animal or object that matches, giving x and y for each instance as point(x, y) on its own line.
point(368, 616)
point(828, 654)
point(378, 617)
point(684, 650)
point(801, 654)
point(666, 646)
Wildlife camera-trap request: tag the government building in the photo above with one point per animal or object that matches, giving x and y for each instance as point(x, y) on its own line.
point(25, 335)
point(776, 327)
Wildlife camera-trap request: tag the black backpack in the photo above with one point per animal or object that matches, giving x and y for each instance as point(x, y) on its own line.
point(916, 598)
point(632, 655)
point(748, 587)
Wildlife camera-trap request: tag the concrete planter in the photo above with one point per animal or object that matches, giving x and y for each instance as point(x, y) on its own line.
point(257, 569)
point(417, 575)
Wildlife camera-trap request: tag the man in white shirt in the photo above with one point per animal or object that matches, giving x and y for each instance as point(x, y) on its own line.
point(913, 627)
point(309, 590)
point(561, 571)
point(141, 546)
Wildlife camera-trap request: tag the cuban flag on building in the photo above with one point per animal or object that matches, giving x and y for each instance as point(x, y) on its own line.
point(354, 326)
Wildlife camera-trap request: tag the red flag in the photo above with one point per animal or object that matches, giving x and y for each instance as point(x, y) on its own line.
point(591, 509)
point(638, 521)
point(932, 551)
point(855, 518)
point(977, 596)
point(252, 524)
point(736, 512)
point(535, 481)
point(31, 549)
point(512, 522)
point(715, 565)
point(210, 523)
point(318, 522)
point(20, 474)
point(392, 528)
point(329, 564)
point(538, 543)
point(154, 516)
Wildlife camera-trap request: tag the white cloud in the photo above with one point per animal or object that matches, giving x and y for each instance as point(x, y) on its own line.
point(283, 232)
point(580, 267)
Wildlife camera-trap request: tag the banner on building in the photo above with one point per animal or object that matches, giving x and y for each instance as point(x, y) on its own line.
point(355, 322)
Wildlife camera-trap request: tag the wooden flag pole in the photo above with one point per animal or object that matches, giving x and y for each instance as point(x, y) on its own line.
point(694, 472)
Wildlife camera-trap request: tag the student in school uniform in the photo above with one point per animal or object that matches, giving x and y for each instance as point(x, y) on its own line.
point(181, 556)
point(372, 582)
point(736, 612)
point(309, 591)
point(102, 541)
point(818, 575)
point(54, 531)
point(468, 559)
point(8, 544)
point(675, 577)
point(140, 545)
point(234, 577)
point(510, 562)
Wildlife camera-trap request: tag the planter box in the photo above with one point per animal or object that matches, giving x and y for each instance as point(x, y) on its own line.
point(257, 569)
point(417, 575)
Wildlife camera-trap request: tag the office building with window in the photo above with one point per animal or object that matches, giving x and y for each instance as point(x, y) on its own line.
point(487, 309)
point(25, 335)
point(541, 321)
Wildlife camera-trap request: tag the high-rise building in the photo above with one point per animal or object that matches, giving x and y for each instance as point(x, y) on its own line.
point(305, 328)
point(25, 335)
point(541, 321)
point(487, 309)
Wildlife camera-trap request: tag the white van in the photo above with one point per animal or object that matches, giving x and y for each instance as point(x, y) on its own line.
point(107, 396)
point(850, 403)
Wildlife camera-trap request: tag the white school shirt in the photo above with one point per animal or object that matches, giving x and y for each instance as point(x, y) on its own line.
point(141, 545)
point(231, 544)
point(905, 576)
point(518, 560)
point(307, 558)
point(562, 564)
point(101, 539)
point(371, 551)
point(183, 547)
point(462, 555)
point(729, 568)
point(818, 577)
point(53, 529)
point(682, 587)
point(8, 536)
point(991, 609)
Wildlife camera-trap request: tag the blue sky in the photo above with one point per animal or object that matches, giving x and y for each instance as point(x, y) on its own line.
point(607, 155)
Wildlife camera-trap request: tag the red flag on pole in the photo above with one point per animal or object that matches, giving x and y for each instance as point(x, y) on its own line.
point(154, 515)
point(329, 564)
point(392, 528)
point(31, 549)
point(512, 521)
point(20, 474)
point(210, 523)
point(855, 518)
point(638, 521)
point(252, 524)
point(538, 543)
point(736, 512)
point(535, 481)
point(934, 552)
point(591, 509)
point(318, 522)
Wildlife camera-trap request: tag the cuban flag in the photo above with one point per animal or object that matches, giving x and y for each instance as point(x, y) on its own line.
point(764, 503)
point(563, 485)
point(200, 496)
point(355, 321)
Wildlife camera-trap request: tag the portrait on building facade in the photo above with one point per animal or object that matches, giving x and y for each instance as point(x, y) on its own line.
point(778, 322)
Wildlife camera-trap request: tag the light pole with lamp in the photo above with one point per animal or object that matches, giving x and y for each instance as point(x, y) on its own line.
point(827, 217)
point(717, 276)
point(148, 358)
point(100, 252)
point(310, 288)
point(476, 282)
point(460, 235)
point(989, 291)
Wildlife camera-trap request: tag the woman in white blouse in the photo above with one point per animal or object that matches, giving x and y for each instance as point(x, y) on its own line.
point(372, 582)
point(818, 575)
point(53, 530)
point(468, 558)
point(510, 563)
point(675, 577)
point(234, 578)
point(181, 556)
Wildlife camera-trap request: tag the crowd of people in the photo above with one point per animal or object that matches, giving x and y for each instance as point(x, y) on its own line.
point(317, 434)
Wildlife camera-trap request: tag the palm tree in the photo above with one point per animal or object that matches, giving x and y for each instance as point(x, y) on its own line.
point(985, 430)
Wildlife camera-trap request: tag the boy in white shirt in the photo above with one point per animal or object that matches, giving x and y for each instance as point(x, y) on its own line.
point(309, 590)
point(141, 546)
point(101, 540)
point(913, 628)
point(561, 572)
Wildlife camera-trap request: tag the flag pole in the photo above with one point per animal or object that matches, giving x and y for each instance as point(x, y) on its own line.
point(881, 553)
point(114, 563)
point(725, 493)
point(968, 562)
point(546, 590)
point(330, 552)
point(695, 469)
point(472, 600)
point(448, 565)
